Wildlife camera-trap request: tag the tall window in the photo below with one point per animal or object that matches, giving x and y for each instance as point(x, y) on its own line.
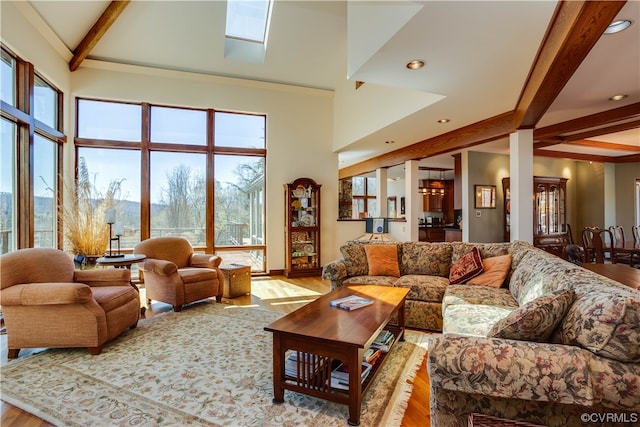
point(239, 187)
point(8, 181)
point(44, 193)
point(31, 130)
point(183, 179)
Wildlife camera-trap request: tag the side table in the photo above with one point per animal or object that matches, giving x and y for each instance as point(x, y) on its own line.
point(124, 262)
point(237, 280)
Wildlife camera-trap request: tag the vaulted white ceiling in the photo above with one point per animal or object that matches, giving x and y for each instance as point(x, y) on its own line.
point(478, 55)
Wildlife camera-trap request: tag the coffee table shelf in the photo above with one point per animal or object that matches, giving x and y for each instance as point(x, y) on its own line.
point(330, 335)
point(318, 377)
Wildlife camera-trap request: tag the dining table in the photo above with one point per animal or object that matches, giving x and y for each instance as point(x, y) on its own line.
point(622, 273)
point(629, 247)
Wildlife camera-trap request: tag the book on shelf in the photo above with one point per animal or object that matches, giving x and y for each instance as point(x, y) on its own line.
point(340, 375)
point(291, 365)
point(351, 302)
point(383, 341)
point(372, 355)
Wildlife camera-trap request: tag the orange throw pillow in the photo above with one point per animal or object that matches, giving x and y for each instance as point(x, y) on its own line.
point(495, 271)
point(382, 260)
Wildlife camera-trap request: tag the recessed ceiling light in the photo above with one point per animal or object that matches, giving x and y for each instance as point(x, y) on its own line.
point(416, 64)
point(617, 26)
point(618, 97)
point(444, 121)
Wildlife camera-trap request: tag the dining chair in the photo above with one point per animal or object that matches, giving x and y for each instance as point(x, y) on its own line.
point(635, 229)
point(597, 242)
point(617, 232)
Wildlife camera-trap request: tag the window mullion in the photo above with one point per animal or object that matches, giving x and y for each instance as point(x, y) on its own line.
point(145, 171)
point(210, 197)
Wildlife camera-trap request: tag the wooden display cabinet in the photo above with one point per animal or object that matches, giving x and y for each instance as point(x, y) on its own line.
point(550, 229)
point(302, 228)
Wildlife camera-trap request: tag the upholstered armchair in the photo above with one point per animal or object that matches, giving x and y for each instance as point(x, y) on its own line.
point(47, 303)
point(174, 274)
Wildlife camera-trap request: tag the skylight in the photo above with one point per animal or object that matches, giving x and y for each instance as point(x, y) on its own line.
point(248, 19)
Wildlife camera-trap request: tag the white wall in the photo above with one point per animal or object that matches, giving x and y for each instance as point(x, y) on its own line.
point(18, 34)
point(299, 120)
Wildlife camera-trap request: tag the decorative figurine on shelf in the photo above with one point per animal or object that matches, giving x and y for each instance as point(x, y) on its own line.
point(110, 218)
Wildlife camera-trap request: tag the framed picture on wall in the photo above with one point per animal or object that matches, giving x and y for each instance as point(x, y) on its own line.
point(485, 196)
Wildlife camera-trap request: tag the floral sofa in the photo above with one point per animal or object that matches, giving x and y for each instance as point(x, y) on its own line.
point(424, 269)
point(555, 345)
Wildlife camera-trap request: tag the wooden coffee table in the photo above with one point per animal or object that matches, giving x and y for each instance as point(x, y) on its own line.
point(328, 335)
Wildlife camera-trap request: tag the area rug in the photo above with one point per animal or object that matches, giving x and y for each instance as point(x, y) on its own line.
point(209, 365)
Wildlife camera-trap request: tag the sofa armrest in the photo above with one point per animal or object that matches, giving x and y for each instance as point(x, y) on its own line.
point(159, 267)
point(106, 277)
point(336, 272)
point(46, 294)
point(205, 261)
point(511, 369)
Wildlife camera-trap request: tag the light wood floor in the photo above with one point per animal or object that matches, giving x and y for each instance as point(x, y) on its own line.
point(275, 293)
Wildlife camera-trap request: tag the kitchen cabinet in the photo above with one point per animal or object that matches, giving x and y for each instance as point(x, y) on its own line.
point(452, 235)
point(432, 202)
point(431, 234)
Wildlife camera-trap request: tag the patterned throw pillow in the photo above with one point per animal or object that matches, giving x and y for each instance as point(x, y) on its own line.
point(382, 260)
point(356, 259)
point(495, 270)
point(536, 320)
point(467, 267)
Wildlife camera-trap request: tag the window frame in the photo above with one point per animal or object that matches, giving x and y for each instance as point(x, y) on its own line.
point(146, 146)
point(27, 126)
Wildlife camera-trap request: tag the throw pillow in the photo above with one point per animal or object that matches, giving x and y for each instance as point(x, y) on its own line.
point(536, 320)
point(382, 260)
point(467, 267)
point(495, 270)
point(356, 259)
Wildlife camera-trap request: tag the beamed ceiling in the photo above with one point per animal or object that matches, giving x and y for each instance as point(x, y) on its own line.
point(498, 66)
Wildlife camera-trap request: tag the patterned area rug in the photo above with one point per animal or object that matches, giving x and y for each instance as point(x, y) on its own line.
point(209, 365)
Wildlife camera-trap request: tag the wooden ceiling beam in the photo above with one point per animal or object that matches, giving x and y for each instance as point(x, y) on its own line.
point(548, 143)
point(606, 145)
point(631, 158)
point(574, 29)
point(603, 131)
point(477, 133)
point(626, 112)
point(99, 29)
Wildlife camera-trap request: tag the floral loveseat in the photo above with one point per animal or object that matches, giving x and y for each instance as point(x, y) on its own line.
point(556, 345)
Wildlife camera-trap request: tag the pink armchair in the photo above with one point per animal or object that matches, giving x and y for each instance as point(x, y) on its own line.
point(47, 303)
point(174, 274)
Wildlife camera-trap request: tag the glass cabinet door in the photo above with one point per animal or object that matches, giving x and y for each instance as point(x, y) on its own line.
point(553, 209)
point(562, 211)
point(302, 230)
point(541, 206)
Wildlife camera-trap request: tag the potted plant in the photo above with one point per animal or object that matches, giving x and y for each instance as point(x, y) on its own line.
point(85, 230)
